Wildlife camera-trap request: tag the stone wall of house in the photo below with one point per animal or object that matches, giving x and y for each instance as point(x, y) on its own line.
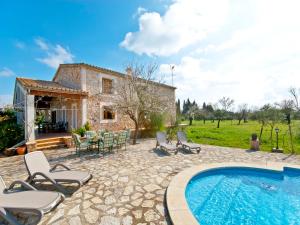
point(97, 100)
point(168, 96)
point(69, 76)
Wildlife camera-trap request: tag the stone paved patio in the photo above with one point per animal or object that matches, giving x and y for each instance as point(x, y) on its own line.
point(128, 187)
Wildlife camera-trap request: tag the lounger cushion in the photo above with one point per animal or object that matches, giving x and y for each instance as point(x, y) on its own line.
point(168, 146)
point(191, 145)
point(42, 200)
point(66, 175)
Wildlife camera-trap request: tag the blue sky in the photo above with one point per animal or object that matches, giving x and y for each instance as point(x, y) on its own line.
point(247, 50)
point(89, 30)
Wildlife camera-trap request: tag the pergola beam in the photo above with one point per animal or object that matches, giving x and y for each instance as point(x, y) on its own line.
point(58, 94)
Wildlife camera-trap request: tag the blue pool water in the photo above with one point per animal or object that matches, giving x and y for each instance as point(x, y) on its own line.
point(245, 196)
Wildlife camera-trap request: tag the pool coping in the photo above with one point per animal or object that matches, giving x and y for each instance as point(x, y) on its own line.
point(178, 209)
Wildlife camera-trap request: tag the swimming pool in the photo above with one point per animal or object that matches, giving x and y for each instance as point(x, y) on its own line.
point(240, 195)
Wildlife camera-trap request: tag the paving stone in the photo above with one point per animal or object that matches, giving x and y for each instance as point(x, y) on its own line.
point(151, 215)
point(91, 215)
point(128, 187)
point(148, 204)
point(149, 195)
point(58, 215)
point(110, 220)
point(124, 199)
point(151, 187)
point(122, 211)
point(112, 211)
point(127, 220)
point(74, 211)
point(110, 200)
point(160, 209)
point(137, 202)
point(128, 190)
point(86, 204)
point(137, 213)
point(123, 179)
point(75, 220)
point(96, 200)
point(136, 195)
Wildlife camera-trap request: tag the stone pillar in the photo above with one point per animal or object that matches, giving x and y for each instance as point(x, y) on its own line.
point(84, 100)
point(84, 110)
point(29, 118)
point(31, 146)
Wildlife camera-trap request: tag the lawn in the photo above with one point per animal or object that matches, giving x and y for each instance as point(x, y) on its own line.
point(232, 135)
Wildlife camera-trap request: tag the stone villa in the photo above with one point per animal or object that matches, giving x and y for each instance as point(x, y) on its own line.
point(78, 93)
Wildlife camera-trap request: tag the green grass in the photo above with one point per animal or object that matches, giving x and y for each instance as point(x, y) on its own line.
point(232, 135)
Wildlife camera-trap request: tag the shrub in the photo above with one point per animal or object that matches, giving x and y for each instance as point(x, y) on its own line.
point(81, 131)
point(87, 126)
point(157, 121)
point(11, 133)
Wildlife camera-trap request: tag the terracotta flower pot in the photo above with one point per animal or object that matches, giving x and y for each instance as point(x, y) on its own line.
point(21, 150)
point(9, 152)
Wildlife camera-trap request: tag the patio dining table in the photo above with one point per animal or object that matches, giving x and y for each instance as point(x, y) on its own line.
point(97, 140)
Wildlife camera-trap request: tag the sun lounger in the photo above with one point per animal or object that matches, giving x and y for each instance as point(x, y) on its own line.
point(182, 140)
point(27, 200)
point(163, 143)
point(39, 170)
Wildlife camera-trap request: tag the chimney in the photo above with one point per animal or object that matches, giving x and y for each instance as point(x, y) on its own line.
point(129, 71)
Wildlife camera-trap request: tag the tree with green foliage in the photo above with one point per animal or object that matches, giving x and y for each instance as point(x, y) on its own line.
point(178, 109)
point(11, 133)
point(287, 107)
point(222, 109)
point(262, 117)
point(138, 96)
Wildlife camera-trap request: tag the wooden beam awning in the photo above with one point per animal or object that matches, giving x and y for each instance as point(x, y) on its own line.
point(58, 94)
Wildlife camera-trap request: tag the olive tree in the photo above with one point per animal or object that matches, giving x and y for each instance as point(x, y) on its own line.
point(139, 95)
point(222, 109)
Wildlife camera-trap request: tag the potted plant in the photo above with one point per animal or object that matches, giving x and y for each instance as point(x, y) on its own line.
point(81, 131)
point(21, 150)
point(9, 151)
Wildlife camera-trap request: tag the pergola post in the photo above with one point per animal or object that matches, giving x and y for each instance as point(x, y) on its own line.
point(84, 110)
point(29, 118)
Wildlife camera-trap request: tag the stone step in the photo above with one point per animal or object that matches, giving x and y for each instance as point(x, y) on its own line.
point(55, 142)
point(44, 140)
point(53, 146)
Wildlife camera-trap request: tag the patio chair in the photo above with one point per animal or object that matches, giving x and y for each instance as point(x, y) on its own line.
point(91, 138)
point(128, 135)
point(164, 144)
point(107, 142)
point(27, 200)
point(39, 170)
point(189, 145)
point(121, 139)
point(79, 145)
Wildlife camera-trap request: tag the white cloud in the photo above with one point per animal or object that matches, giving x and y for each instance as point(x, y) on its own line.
point(140, 10)
point(252, 62)
point(184, 23)
point(41, 43)
point(55, 55)
point(6, 72)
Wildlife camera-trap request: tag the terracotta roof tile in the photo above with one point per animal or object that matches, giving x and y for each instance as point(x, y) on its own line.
point(48, 85)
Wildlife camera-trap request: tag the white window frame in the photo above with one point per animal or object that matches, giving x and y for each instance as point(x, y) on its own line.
point(112, 78)
point(102, 120)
